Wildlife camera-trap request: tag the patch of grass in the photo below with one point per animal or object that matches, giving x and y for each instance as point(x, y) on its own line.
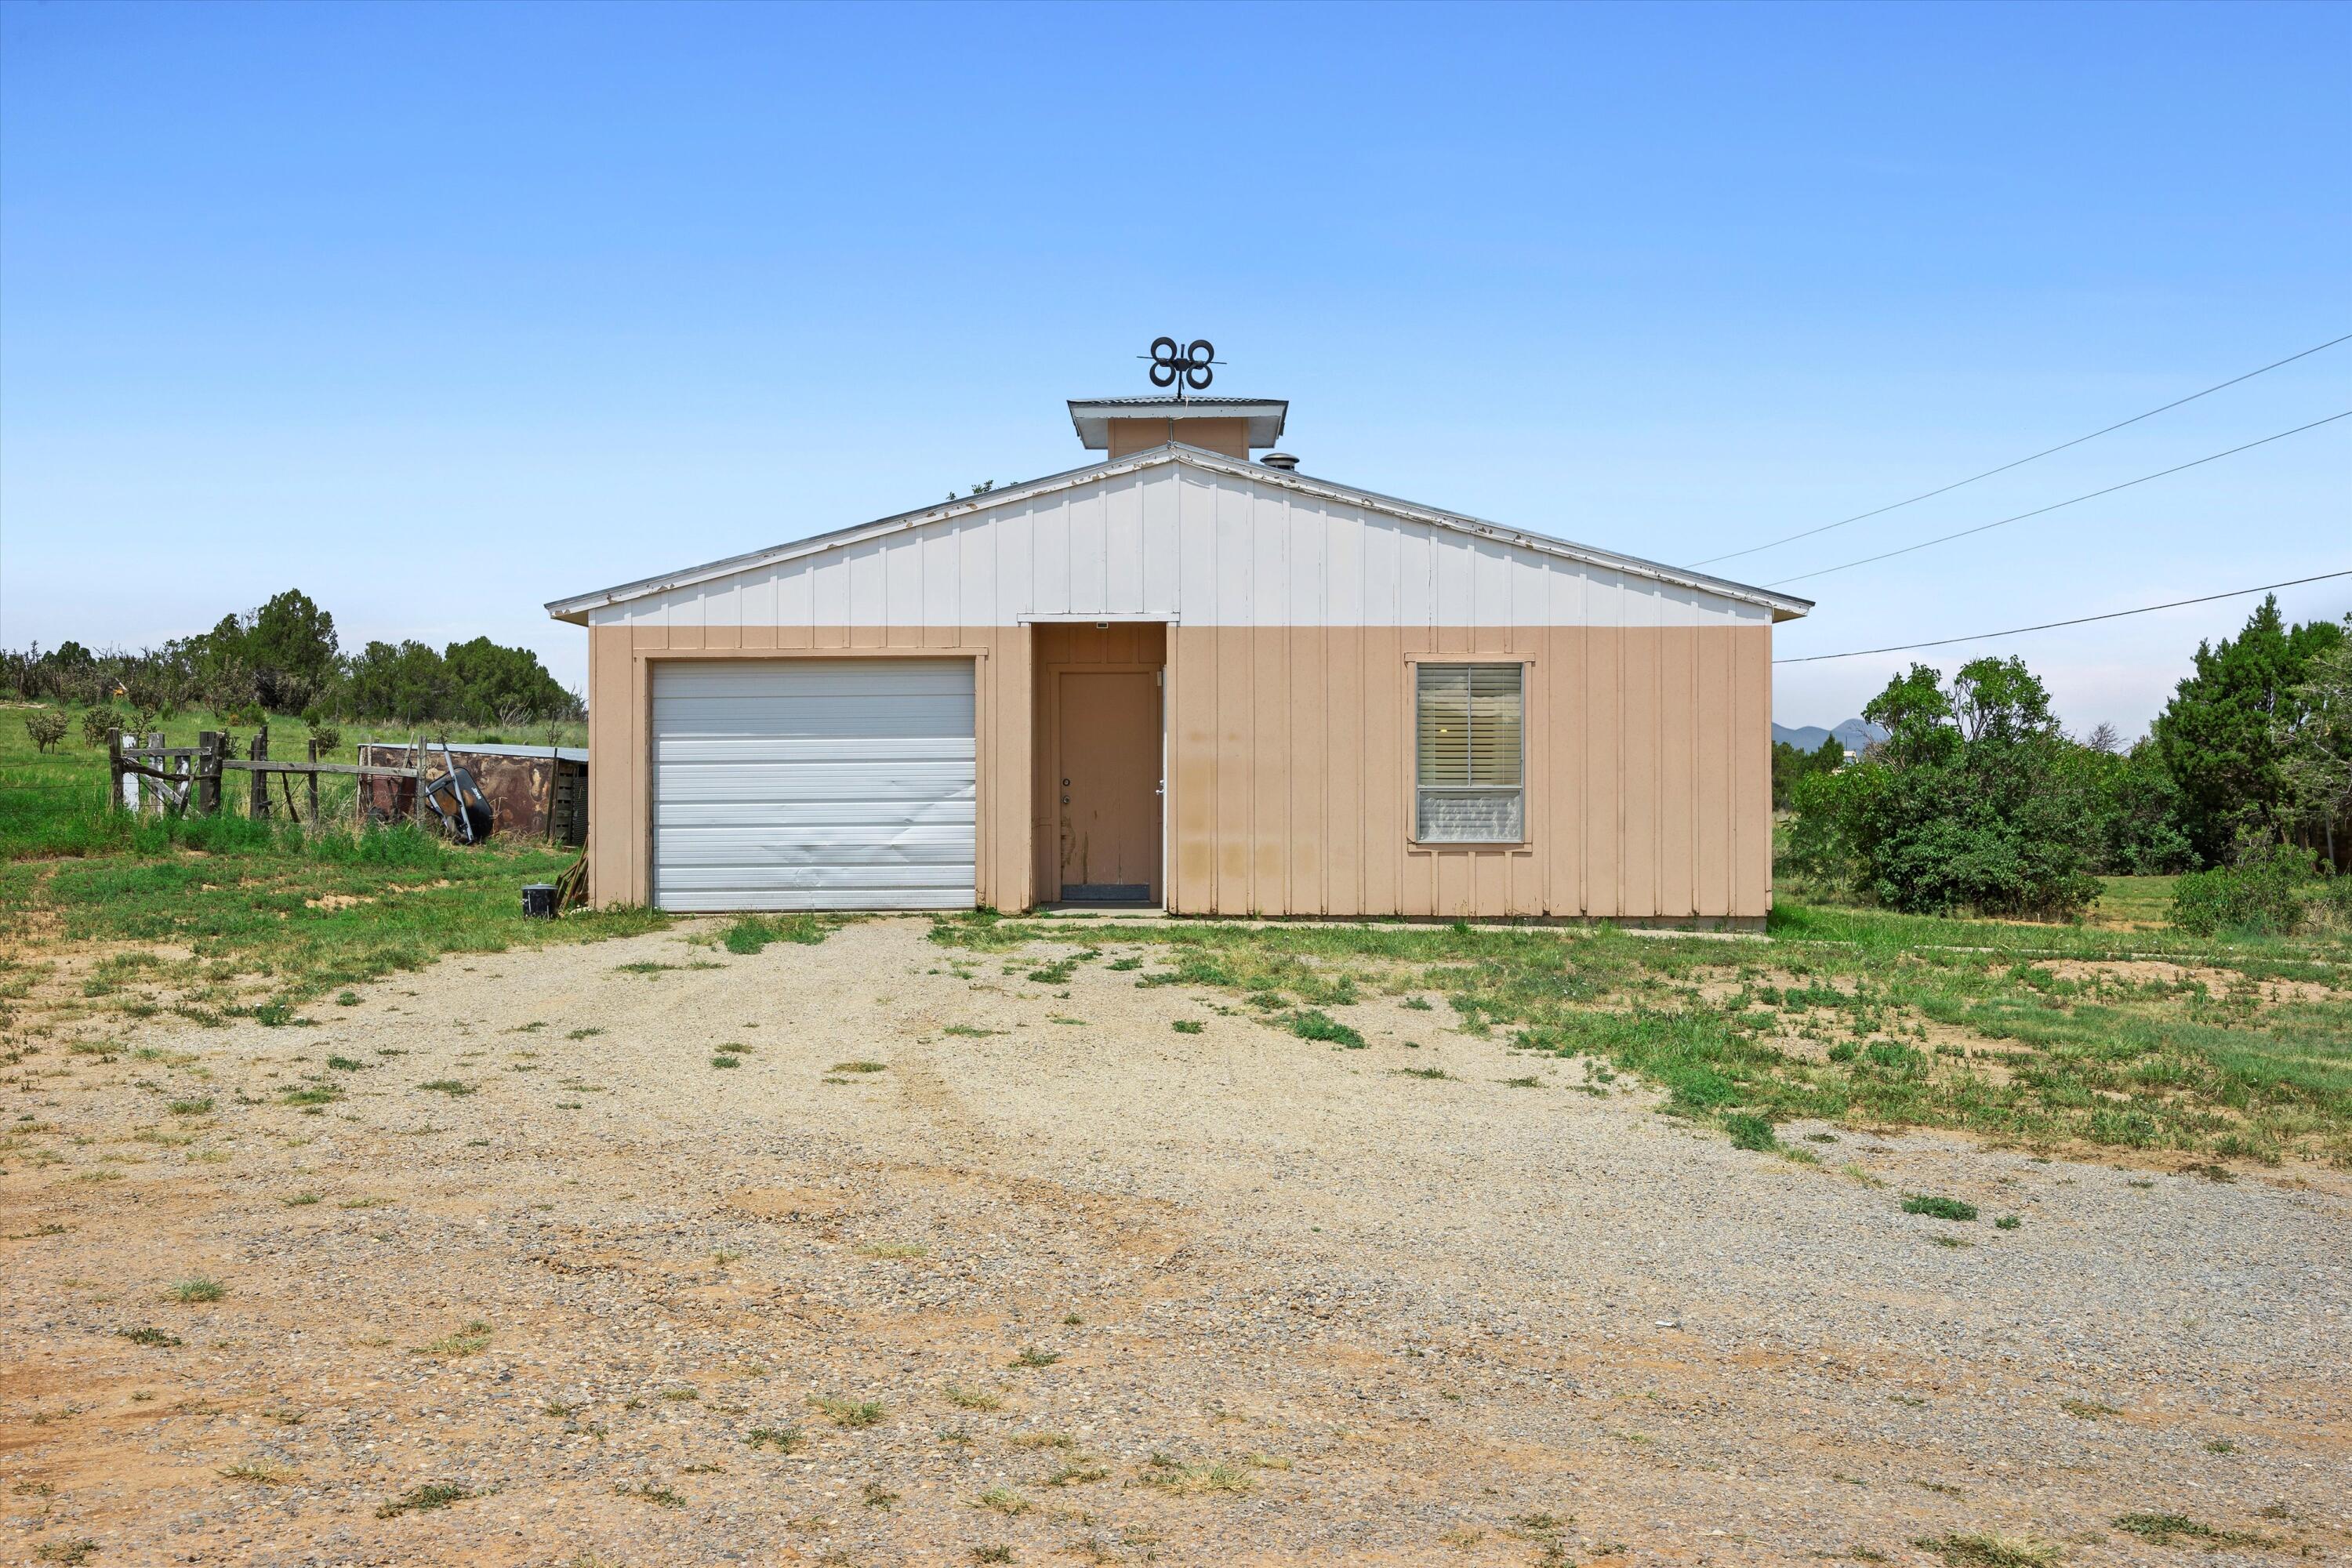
point(1314, 1024)
point(1078, 1473)
point(681, 1396)
point(473, 1339)
point(748, 935)
point(1188, 1025)
point(726, 1061)
point(2088, 1409)
point(199, 1288)
point(998, 1552)
point(973, 1398)
point(970, 1031)
point(874, 1495)
point(153, 1339)
point(852, 1413)
point(451, 1087)
point(1425, 1072)
point(783, 1439)
point(1178, 1479)
point(1938, 1207)
point(191, 1107)
point(661, 1497)
point(2006, 1221)
point(1034, 1356)
point(1528, 1082)
point(1750, 1131)
point(859, 1066)
point(588, 1034)
point(301, 1200)
point(1987, 1551)
point(2174, 1528)
point(1004, 1500)
point(898, 1249)
point(83, 1548)
point(424, 1498)
point(266, 1474)
point(311, 1094)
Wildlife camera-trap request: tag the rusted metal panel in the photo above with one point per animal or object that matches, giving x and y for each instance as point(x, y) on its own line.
point(528, 787)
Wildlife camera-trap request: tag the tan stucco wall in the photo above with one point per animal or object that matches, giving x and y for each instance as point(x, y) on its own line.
point(1649, 765)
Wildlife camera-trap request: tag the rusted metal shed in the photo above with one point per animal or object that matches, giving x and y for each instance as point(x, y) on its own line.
point(535, 792)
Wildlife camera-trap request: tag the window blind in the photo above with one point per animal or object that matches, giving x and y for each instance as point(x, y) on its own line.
point(1469, 743)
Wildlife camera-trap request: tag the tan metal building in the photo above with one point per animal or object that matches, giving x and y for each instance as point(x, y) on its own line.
point(1182, 678)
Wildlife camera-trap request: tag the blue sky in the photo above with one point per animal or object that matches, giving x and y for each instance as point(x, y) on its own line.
point(440, 312)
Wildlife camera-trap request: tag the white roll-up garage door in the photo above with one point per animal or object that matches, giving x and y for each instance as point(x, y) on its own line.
point(813, 784)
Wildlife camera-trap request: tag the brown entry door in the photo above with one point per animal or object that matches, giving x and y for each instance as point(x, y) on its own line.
point(1109, 747)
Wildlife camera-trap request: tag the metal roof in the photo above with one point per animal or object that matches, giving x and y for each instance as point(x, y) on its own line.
point(467, 748)
point(1784, 606)
point(1091, 416)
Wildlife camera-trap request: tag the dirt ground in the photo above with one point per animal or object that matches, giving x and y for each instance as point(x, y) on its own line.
point(957, 1264)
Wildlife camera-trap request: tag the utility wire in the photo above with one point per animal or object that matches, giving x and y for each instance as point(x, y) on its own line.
point(2020, 462)
point(2079, 620)
point(2053, 506)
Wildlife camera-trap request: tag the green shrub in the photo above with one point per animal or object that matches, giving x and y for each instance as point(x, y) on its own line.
point(1974, 800)
point(1938, 1207)
point(2262, 894)
point(46, 726)
point(1750, 1131)
point(97, 723)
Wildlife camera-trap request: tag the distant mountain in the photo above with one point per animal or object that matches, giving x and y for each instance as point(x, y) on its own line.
point(1856, 735)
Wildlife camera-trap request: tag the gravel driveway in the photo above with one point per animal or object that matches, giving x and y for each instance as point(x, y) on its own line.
point(956, 1265)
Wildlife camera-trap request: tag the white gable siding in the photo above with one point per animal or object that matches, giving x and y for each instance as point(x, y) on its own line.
point(1177, 543)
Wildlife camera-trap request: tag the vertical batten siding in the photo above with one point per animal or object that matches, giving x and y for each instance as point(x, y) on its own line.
point(1177, 542)
point(1647, 776)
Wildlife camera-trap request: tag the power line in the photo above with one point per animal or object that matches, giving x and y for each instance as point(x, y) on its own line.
point(2046, 451)
point(2079, 620)
point(2053, 506)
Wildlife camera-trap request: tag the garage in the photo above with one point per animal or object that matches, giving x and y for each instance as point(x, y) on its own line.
point(813, 784)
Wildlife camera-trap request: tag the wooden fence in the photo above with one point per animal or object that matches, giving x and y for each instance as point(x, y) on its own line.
point(155, 779)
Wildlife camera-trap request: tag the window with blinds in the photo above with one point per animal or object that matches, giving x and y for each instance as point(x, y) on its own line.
point(1469, 746)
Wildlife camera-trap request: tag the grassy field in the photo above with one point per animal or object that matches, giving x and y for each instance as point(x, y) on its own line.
point(103, 913)
point(2102, 1036)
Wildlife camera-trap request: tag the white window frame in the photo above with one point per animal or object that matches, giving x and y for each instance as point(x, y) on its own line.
point(1412, 723)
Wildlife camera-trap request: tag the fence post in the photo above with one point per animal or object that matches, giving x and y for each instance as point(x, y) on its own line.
point(155, 791)
point(209, 773)
point(259, 806)
point(114, 770)
point(314, 780)
point(416, 753)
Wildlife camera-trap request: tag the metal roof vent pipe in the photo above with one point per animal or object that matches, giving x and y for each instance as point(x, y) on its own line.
point(1282, 460)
